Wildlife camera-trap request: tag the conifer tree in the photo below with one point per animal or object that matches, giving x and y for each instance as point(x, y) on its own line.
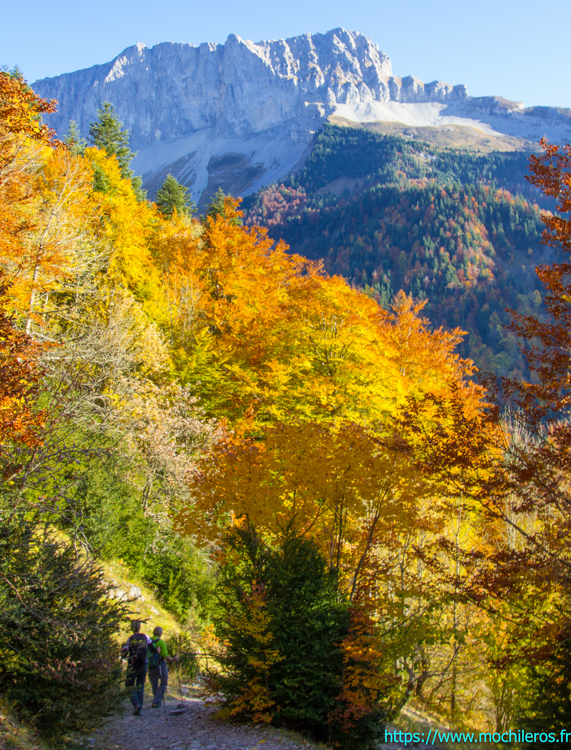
point(108, 134)
point(172, 195)
point(219, 206)
point(74, 140)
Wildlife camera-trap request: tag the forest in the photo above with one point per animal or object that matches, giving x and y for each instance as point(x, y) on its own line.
point(457, 229)
point(312, 475)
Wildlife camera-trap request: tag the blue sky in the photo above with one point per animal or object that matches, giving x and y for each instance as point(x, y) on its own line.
point(516, 49)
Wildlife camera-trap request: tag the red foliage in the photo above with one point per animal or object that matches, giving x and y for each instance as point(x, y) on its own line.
point(19, 376)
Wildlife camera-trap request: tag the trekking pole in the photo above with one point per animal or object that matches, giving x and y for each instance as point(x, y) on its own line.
point(179, 685)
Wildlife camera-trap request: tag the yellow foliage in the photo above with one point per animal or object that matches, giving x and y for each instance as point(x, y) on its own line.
point(343, 485)
point(255, 701)
point(269, 337)
point(58, 224)
point(127, 226)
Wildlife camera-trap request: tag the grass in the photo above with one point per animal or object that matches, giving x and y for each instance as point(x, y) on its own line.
point(143, 606)
point(15, 735)
point(444, 136)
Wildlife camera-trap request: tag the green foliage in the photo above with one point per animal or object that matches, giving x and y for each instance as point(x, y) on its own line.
point(107, 133)
point(114, 522)
point(186, 667)
point(309, 620)
point(341, 152)
point(173, 196)
point(283, 622)
point(60, 668)
point(218, 207)
point(544, 703)
point(73, 138)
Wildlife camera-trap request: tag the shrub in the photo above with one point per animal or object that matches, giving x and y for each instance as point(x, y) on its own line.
point(112, 518)
point(544, 701)
point(60, 666)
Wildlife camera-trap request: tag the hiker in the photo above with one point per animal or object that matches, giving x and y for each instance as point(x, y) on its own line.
point(158, 669)
point(136, 651)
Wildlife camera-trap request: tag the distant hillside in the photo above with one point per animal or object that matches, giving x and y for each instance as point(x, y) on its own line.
point(459, 229)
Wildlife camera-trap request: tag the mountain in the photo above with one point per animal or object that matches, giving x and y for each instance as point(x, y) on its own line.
point(242, 115)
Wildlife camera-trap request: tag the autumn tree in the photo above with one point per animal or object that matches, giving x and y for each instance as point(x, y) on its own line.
point(23, 141)
point(538, 463)
point(508, 468)
point(125, 227)
point(539, 466)
point(20, 372)
point(79, 273)
point(21, 113)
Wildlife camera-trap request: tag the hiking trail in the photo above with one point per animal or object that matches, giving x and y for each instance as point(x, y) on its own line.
point(195, 728)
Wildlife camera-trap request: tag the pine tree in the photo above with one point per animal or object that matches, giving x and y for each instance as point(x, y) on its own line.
point(107, 133)
point(219, 206)
point(74, 140)
point(172, 195)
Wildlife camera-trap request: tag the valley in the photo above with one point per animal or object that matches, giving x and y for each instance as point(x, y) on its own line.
point(285, 368)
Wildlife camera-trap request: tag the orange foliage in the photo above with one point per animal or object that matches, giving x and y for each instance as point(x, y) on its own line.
point(20, 112)
point(22, 138)
point(551, 173)
point(364, 683)
point(271, 337)
point(19, 376)
point(255, 701)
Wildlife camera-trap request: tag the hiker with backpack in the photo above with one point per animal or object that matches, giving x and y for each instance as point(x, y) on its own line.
point(158, 669)
point(136, 652)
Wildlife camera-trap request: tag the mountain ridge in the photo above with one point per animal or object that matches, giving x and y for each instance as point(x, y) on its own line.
point(256, 107)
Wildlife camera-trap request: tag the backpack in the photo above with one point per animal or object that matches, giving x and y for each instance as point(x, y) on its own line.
point(155, 659)
point(137, 648)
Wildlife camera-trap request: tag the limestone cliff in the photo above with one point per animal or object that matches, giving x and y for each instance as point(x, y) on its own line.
point(242, 114)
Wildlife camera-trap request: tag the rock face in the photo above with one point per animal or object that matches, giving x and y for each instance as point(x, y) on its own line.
point(239, 88)
point(242, 114)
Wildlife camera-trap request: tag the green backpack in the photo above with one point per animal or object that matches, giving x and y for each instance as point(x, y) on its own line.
point(155, 659)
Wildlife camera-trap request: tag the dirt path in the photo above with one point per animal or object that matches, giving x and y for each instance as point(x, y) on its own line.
point(194, 728)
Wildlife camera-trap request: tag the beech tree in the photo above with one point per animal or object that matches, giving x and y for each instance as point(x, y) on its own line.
point(539, 465)
point(509, 468)
point(23, 142)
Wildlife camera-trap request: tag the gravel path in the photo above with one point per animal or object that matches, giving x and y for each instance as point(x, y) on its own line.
point(194, 728)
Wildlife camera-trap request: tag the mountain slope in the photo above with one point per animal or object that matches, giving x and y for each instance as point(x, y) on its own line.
point(241, 115)
point(388, 213)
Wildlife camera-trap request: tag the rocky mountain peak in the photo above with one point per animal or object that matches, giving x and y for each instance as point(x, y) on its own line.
point(172, 90)
point(242, 114)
